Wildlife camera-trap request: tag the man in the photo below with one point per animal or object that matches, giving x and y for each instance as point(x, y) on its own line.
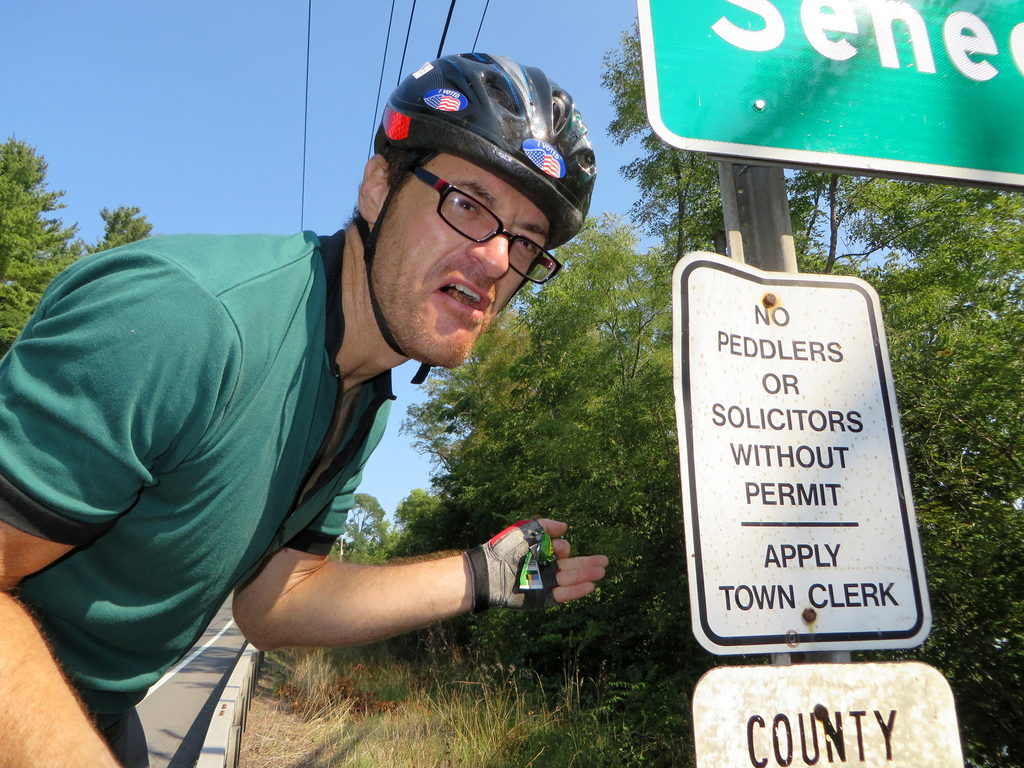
point(187, 416)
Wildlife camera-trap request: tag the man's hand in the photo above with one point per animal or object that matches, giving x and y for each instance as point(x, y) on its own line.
point(515, 569)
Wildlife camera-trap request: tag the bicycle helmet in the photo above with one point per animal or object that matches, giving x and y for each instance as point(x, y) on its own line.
point(508, 119)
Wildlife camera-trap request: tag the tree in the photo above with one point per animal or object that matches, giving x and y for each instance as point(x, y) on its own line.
point(33, 245)
point(367, 534)
point(123, 225)
point(418, 524)
point(950, 272)
point(679, 201)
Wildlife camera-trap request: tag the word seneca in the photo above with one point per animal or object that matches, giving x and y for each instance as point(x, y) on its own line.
point(826, 23)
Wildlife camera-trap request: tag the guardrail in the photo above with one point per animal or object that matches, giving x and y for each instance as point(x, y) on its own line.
point(224, 736)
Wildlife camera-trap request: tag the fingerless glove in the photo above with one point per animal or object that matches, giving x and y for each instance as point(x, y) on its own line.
point(513, 570)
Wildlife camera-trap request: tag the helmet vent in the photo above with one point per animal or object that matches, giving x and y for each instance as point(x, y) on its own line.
point(587, 161)
point(559, 112)
point(499, 95)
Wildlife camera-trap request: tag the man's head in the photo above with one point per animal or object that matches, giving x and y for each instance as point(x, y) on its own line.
point(482, 165)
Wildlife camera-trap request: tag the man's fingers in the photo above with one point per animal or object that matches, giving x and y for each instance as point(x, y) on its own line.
point(564, 594)
point(561, 547)
point(555, 528)
point(577, 575)
point(590, 563)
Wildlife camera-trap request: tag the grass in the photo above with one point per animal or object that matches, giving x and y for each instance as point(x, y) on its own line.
point(363, 708)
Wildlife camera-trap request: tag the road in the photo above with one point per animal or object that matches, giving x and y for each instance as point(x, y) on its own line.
point(177, 710)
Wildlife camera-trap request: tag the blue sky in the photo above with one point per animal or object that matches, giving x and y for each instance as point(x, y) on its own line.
point(193, 111)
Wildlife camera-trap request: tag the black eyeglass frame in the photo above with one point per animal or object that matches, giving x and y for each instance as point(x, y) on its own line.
point(445, 189)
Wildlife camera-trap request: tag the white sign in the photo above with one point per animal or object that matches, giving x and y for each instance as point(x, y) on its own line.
point(868, 715)
point(799, 521)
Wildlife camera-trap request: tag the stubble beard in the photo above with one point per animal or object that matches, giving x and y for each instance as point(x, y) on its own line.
point(411, 329)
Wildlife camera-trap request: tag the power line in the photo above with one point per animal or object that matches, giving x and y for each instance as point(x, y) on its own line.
point(380, 82)
point(305, 121)
point(482, 15)
point(405, 48)
point(444, 34)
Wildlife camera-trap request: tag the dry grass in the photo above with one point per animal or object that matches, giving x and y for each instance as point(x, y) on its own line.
point(388, 715)
point(275, 736)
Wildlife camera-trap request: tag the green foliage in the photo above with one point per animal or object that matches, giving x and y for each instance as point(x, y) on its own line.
point(123, 225)
point(35, 246)
point(368, 536)
point(951, 278)
point(419, 524)
point(679, 201)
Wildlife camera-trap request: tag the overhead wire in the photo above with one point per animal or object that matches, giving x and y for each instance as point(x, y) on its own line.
point(405, 48)
point(482, 15)
point(444, 34)
point(305, 121)
point(380, 81)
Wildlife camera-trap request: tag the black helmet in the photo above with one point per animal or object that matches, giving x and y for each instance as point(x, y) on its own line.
point(510, 120)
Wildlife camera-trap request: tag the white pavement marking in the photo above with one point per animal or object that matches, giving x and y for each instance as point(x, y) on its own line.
point(185, 662)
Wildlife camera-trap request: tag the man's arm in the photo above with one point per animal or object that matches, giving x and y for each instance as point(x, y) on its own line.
point(299, 599)
point(40, 716)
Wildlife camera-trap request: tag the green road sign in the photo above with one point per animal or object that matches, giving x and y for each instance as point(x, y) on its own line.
point(919, 88)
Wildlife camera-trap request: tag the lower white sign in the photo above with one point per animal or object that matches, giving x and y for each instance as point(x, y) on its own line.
point(868, 715)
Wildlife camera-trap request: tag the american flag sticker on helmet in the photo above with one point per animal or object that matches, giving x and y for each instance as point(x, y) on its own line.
point(445, 100)
point(545, 157)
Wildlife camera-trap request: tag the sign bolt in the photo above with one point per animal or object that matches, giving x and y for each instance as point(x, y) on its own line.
point(769, 300)
point(792, 638)
point(809, 615)
point(759, 105)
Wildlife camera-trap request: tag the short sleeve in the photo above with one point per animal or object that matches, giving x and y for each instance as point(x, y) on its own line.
point(120, 373)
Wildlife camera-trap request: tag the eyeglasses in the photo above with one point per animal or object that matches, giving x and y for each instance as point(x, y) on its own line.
point(474, 220)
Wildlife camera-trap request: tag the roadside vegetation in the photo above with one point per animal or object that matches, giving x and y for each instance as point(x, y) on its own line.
point(384, 707)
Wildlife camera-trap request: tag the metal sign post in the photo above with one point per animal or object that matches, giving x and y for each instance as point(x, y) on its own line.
point(756, 212)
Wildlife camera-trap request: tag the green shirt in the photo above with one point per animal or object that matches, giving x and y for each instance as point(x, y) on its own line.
point(161, 411)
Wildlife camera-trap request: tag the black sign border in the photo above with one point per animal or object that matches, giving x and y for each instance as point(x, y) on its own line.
point(787, 640)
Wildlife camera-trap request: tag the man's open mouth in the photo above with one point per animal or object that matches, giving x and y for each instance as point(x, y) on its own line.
point(466, 295)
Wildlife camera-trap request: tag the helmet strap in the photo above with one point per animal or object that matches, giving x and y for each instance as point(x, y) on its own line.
point(368, 237)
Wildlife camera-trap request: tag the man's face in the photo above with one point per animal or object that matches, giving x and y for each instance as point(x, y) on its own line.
point(439, 290)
